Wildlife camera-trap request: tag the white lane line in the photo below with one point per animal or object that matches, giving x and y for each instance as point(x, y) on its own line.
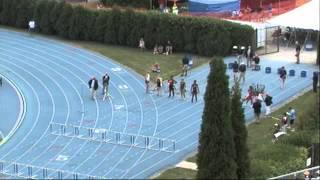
point(49, 92)
point(38, 113)
point(22, 111)
point(63, 92)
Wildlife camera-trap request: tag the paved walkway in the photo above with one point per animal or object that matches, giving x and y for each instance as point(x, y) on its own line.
point(53, 77)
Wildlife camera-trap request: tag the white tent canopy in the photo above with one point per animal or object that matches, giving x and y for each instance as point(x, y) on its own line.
point(303, 17)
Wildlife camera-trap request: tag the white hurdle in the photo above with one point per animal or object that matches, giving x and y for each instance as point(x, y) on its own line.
point(113, 137)
point(25, 171)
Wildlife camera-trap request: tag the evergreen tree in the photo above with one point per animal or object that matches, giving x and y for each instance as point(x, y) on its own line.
point(112, 30)
point(240, 134)
point(78, 22)
point(24, 13)
point(101, 25)
point(54, 15)
point(216, 151)
point(63, 23)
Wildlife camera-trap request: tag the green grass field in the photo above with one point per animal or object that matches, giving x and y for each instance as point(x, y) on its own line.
point(142, 61)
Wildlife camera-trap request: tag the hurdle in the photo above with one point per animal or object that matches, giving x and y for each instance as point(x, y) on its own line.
point(25, 171)
point(113, 137)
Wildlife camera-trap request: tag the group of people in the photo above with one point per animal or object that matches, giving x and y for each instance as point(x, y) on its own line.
point(256, 102)
point(285, 122)
point(94, 86)
point(158, 48)
point(171, 85)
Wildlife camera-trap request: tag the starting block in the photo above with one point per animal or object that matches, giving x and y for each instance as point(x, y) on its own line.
point(292, 72)
point(268, 70)
point(113, 137)
point(303, 74)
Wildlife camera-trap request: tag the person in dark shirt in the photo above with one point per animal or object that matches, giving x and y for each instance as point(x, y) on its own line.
point(268, 101)
point(298, 49)
point(194, 90)
point(257, 109)
point(242, 70)
point(171, 83)
point(283, 76)
point(235, 69)
point(315, 80)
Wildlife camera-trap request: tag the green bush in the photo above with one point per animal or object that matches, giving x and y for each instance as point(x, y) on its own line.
point(130, 3)
point(303, 138)
point(203, 36)
point(277, 159)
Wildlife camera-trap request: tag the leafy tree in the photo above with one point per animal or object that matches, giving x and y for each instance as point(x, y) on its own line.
point(216, 153)
point(240, 134)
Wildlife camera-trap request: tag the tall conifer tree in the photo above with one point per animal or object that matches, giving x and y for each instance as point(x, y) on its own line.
point(240, 134)
point(216, 153)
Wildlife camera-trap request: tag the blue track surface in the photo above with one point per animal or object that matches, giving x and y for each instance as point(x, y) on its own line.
point(53, 78)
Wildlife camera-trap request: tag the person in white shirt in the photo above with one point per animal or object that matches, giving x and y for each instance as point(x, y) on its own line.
point(147, 81)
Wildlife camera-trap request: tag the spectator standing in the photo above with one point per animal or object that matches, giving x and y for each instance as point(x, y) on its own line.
point(147, 81)
point(292, 116)
point(235, 69)
point(256, 60)
point(93, 86)
point(185, 63)
point(159, 85)
point(268, 101)
point(298, 49)
point(105, 83)
point(315, 80)
point(249, 55)
point(168, 48)
point(257, 109)
point(142, 44)
point(183, 89)
point(242, 70)
point(283, 76)
point(171, 83)
point(194, 91)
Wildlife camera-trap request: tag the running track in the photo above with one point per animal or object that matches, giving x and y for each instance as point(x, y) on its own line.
point(53, 76)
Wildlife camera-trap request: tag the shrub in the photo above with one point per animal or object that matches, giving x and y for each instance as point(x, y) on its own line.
point(63, 23)
point(130, 3)
point(203, 36)
point(302, 138)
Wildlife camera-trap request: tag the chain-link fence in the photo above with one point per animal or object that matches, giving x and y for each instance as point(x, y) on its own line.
point(267, 40)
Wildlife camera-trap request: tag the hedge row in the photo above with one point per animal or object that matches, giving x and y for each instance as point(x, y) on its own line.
point(132, 3)
point(202, 36)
